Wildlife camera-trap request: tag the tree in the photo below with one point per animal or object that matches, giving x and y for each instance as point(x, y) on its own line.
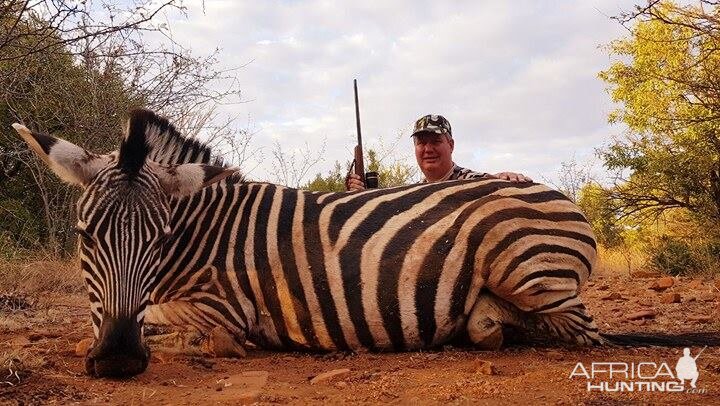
point(334, 181)
point(50, 92)
point(573, 177)
point(291, 168)
point(596, 204)
point(667, 84)
point(58, 26)
point(396, 173)
point(71, 70)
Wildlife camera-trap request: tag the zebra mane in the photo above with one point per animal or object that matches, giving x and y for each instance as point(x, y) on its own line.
point(134, 149)
point(164, 143)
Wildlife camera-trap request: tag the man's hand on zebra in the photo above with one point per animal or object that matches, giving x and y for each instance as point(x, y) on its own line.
point(513, 177)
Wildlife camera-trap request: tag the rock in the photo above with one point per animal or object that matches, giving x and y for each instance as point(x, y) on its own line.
point(555, 355)
point(604, 286)
point(341, 384)
point(242, 388)
point(330, 375)
point(717, 284)
point(662, 283)
point(612, 296)
point(638, 322)
point(707, 297)
point(700, 319)
point(220, 343)
point(642, 314)
point(670, 297)
point(83, 346)
point(486, 368)
point(645, 302)
point(694, 284)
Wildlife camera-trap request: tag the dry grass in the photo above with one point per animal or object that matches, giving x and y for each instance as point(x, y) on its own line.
point(624, 261)
point(23, 284)
point(40, 275)
point(17, 363)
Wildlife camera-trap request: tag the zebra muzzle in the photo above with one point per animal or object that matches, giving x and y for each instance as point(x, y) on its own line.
point(119, 350)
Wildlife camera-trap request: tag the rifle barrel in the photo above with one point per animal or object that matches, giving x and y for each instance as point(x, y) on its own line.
point(357, 114)
point(698, 354)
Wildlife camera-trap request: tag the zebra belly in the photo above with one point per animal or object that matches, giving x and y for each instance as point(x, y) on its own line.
point(378, 315)
point(445, 334)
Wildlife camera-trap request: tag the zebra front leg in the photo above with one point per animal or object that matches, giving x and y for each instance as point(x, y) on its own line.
point(221, 344)
point(487, 318)
point(201, 333)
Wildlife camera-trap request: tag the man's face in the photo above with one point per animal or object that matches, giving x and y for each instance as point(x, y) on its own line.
point(433, 152)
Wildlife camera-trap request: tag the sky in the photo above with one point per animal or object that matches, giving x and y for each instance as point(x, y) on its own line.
point(517, 80)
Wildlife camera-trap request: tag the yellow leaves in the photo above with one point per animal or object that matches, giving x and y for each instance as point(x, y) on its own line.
point(660, 69)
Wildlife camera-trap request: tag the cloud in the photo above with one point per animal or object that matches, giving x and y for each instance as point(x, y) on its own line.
point(517, 80)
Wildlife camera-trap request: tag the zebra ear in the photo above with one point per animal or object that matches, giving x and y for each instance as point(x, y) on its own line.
point(186, 179)
point(68, 161)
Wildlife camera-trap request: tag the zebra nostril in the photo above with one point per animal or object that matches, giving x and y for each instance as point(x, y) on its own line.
point(101, 363)
point(90, 366)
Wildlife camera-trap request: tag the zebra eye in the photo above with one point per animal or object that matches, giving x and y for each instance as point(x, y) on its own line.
point(86, 237)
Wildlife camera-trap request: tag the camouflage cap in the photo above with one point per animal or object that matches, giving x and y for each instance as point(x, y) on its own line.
point(433, 123)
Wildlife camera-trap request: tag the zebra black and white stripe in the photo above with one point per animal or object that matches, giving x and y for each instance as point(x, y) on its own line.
point(387, 269)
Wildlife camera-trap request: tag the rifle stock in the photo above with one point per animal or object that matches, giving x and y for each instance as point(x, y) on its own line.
point(359, 164)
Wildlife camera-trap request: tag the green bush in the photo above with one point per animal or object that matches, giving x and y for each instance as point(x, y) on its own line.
point(675, 256)
point(671, 256)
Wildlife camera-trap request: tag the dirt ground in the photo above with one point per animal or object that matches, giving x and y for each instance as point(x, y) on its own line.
point(39, 337)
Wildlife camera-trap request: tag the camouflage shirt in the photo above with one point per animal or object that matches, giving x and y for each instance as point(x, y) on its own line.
point(459, 172)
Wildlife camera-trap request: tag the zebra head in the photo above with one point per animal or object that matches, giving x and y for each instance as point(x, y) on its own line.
point(123, 219)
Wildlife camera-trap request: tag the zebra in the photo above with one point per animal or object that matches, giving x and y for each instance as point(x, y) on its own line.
point(169, 234)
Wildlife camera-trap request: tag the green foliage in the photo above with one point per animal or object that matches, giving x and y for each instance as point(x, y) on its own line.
point(51, 92)
point(672, 256)
point(74, 72)
point(395, 174)
point(334, 181)
point(665, 82)
point(595, 204)
point(679, 256)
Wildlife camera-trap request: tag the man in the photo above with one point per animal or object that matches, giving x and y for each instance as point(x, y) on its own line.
point(434, 145)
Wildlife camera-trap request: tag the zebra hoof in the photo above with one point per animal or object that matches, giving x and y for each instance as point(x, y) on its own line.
point(221, 344)
point(488, 337)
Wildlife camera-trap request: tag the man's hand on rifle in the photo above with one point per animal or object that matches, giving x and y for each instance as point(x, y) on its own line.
point(353, 183)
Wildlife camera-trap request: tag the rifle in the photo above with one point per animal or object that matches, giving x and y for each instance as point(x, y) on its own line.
point(358, 162)
point(370, 179)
